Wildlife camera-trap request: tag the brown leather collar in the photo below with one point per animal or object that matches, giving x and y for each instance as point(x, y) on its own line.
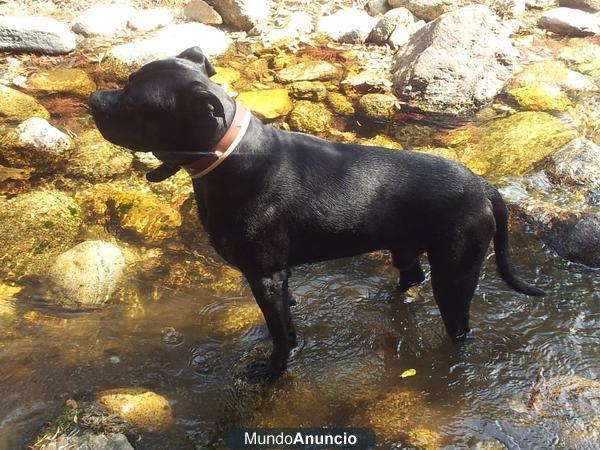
point(224, 147)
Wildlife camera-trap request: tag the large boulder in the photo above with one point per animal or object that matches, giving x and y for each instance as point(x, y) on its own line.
point(456, 64)
point(35, 34)
point(347, 25)
point(243, 14)
point(570, 22)
point(34, 228)
point(15, 105)
point(87, 275)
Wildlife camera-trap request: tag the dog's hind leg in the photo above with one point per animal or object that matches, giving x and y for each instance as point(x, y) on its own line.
point(272, 295)
point(411, 272)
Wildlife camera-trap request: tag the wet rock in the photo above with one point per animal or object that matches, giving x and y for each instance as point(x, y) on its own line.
point(307, 90)
point(376, 7)
point(239, 317)
point(200, 11)
point(138, 406)
point(13, 181)
point(46, 223)
point(402, 34)
point(87, 275)
point(68, 81)
point(150, 19)
point(508, 146)
point(540, 97)
point(340, 104)
point(456, 64)
point(309, 117)
point(15, 105)
point(298, 26)
point(146, 216)
point(378, 106)
point(381, 140)
point(168, 42)
point(412, 135)
point(553, 73)
point(268, 103)
point(225, 76)
point(103, 20)
point(388, 23)
point(7, 307)
point(95, 159)
point(570, 22)
point(171, 336)
point(90, 441)
point(584, 56)
point(428, 9)
point(308, 71)
point(587, 116)
point(364, 82)
point(35, 34)
point(242, 14)
point(424, 439)
point(578, 163)
point(490, 445)
point(347, 25)
point(593, 5)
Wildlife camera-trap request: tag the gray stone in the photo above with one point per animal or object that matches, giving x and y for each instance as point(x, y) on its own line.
point(103, 20)
point(431, 9)
point(242, 14)
point(570, 22)
point(87, 275)
point(150, 19)
point(578, 163)
point(347, 25)
point(387, 24)
point(308, 71)
point(35, 34)
point(200, 11)
point(90, 441)
point(376, 7)
point(456, 64)
point(593, 5)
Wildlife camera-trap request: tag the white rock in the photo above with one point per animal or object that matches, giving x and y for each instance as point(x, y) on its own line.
point(387, 24)
point(103, 20)
point(35, 34)
point(39, 134)
point(540, 4)
point(88, 274)
point(200, 11)
point(170, 41)
point(347, 25)
point(402, 33)
point(298, 26)
point(243, 14)
point(569, 21)
point(376, 7)
point(150, 19)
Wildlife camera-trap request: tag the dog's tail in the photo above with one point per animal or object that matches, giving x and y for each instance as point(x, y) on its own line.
point(505, 266)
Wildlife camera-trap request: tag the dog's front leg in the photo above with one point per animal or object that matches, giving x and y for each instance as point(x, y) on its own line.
point(271, 294)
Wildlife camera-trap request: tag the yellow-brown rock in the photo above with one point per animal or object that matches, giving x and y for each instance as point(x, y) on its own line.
point(339, 104)
point(225, 75)
point(68, 81)
point(540, 97)
point(268, 103)
point(378, 106)
point(424, 439)
point(138, 406)
point(15, 105)
point(309, 117)
point(308, 71)
point(240, 317)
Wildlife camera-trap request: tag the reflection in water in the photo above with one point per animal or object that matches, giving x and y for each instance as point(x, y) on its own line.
point(357, 334)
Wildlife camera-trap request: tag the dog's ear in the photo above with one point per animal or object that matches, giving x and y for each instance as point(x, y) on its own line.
point(195, 54)
point(199, 95)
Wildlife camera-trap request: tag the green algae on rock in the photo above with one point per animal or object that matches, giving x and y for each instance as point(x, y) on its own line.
point(69, 81)
point(308, 90)
point(411, 135)
point(46, 223)
point(15, 105)
point(507, 146)
point(378, 106)
point(138, 406)
point(225, 75)
point(308, 71)
point(309, 117)
point(540, 97)
point(340, 104)
point(268, 103)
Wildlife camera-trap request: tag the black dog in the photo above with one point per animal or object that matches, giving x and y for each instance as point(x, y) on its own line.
point(282, 199)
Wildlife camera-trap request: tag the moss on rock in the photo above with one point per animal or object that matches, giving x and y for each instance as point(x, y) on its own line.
point(15, 105)
point(378, 106)
point(138, 406)
point(309, 117)
point(69, 81)
point(308, 90)
point(540, 97)
point(340, 104)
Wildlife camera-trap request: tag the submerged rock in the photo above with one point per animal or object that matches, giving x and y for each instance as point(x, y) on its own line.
point(508, 146)
point(347, 25)
point(87, 275)
point(243, 14)
point(239, 317)
point(578, 163)
point(365, 82)
point(570, 22)
point(340, 104)
point(541, 97)
point(138, 406)
point(225, 76)
point(268, 103)
point(15, 105)
point(35, 34)
point(46, 224)
point(309, 117)
point(456, 64)
point(90, 441)
point(308, 90)
point(378, 106)
point(587, 116)
point(68, 81)
point(308, 71)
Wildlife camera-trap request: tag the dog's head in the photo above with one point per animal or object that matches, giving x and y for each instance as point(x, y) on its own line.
point(168, 105)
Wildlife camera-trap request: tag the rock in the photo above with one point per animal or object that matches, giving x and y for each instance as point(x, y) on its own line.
point(309, 117)
point(424, 439)
point(46, 223)
point(387, 24)
point(225, 76)
point(35, 34)
point(554, 73)
point(145, 215)
point(508, 146)
point(380, 140)
point(15, 105)
point(540, 97)
point(540, 4)
point(308, 71)
point(587, 116)
point(150, 19)
point(200, 11)
point(308, 90)
point(242, 14)
point(38, 134)
point(376, 7)
point(351, 26)
point(593, 5)
point(578, 163)
point(402, 34)
point(490, 444)
point(428, 9)
point(103, 20)
point(90, 441)
point(297, 27)
point(14, 181)
point(378, 106)
point(95, 159)
point(68, 81)
point(364, 82)
point(570, 22)
point(583, 55)
point(239, 317)
point(168, 42)
point(87, 275)
point(268, 103)
point(340, 104)
point(138, 406)
point(455, 64)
